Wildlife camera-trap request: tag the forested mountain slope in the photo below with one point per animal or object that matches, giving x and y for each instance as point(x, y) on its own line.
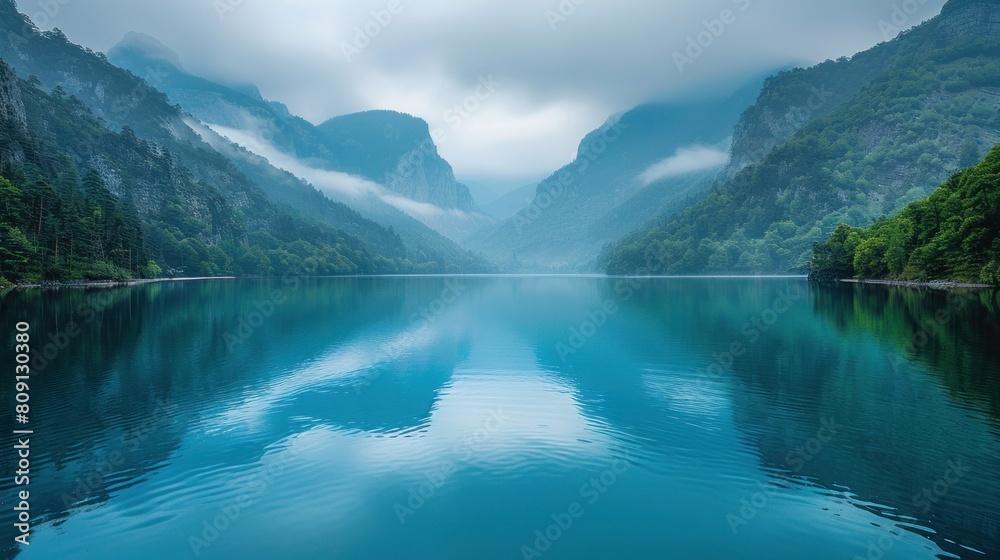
point(117, 98)
point(80, 201)
point(934, 109)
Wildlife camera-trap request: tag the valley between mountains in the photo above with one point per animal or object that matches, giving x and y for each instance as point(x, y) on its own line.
point(124, 165)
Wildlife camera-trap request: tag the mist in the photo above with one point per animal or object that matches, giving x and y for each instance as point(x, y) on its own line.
point(684, 161)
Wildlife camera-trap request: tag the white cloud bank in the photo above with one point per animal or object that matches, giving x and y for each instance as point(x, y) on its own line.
point(342, 187)
point(684, 161)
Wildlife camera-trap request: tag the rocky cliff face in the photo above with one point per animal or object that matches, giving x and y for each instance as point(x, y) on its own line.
point(11, 105)
point(970, 18)
point(792, 99)
point(953, 6)
point(764, 127)
point(432, 182)
point(396, 150)
point(12, 115)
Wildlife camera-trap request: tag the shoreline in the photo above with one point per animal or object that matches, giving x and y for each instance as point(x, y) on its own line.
point(90, 284)
point(60, 284)
point(927, 284)
point(69, 284)
point(93, 284)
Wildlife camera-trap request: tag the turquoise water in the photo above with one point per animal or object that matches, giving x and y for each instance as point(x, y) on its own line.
point(519, 417)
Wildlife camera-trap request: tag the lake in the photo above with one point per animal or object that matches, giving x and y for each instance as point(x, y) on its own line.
point(509, 418)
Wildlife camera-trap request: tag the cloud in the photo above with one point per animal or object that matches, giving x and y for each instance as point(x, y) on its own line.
point(330, 182)
point(412, 207)
point(338, 186)
point(562, 77)
point(684, 161)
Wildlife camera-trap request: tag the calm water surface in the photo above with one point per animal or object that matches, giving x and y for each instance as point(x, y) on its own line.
point(510, 418)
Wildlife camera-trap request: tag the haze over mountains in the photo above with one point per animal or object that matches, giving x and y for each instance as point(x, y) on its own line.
point(847, 141)
point(649, 160)
point(368, 160)
point(739, 179)
point(238, 204)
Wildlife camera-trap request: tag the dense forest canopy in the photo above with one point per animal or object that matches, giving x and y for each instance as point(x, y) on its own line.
point(954, 234)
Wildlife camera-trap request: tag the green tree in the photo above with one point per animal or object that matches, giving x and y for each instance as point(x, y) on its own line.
point(152, 270)
point(14, 252)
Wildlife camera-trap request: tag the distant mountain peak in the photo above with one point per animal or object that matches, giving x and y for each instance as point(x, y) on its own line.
point(400, 132)
point(397, 150)
point(148, 47)
point(386, 117)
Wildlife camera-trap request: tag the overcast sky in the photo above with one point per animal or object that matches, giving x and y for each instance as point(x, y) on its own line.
point(559, 68)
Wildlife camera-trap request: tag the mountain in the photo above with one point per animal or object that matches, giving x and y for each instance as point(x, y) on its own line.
point(625, 172)
point(396, 150)
point(871, 133)
point(80, 201)
point(215, 187)
point(388, 158)
point(952, 235)
point(483, 193)
point(511, 203)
